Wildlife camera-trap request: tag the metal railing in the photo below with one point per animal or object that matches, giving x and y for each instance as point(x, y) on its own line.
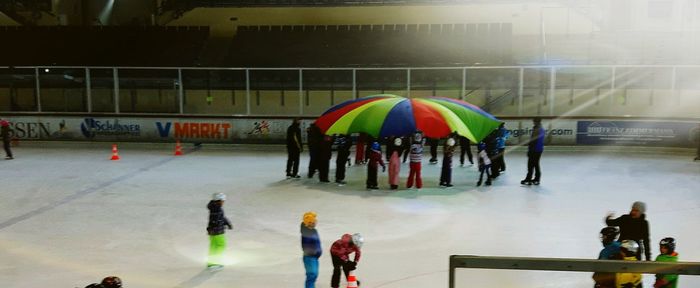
point(541, 81)
point(569, 265)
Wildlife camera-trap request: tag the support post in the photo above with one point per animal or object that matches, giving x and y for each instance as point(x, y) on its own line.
point(115, 78)
point(88, 90)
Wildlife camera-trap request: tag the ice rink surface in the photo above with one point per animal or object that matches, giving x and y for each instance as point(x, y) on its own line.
point(69, 216)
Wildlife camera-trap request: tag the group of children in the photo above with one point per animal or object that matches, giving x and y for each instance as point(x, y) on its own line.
point(628, 250)
point(490, 157)
point(340, 252)
point(630, 246)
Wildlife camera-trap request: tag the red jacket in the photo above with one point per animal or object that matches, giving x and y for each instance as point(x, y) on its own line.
point(343, 247)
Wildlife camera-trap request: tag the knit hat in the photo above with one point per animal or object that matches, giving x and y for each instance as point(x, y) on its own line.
point(309, 218)
point(4, 123)
point(639, 205)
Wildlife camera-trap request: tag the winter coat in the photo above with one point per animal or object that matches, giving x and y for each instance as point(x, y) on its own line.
point(344, 143)
point(610, 251)
point(670, 279)
point(628, 280)
point(536, 140)
point(294, 138)
point(604, 279)
point(314, 138)
point(217, 221)
point(343, 247)
point(5, 132)
point(483, 159)
point(633, 229)
point(416, 155)
point(448, 151)
point(503, 135)
point(375, 158)
point(310, 241)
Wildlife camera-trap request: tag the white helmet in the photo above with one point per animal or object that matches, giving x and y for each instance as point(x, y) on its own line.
point(630, 245)
point(450, 142)
point(397, 141)
point(418, 137)
point(358, 240)
point(218, 197)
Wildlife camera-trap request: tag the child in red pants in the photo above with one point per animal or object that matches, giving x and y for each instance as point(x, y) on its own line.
point(416, 157)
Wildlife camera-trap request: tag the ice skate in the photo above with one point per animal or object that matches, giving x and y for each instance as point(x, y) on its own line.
point(526, 182)
point(9, 158)
point(488, 183)
point(478, 184)
point(215, 267)
point(536, 182)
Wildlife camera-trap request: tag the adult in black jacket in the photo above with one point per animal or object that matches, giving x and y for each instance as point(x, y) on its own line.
point(344, 142)
point(325, 152)
point(465, 147)
point(314, 138)
point(492, 151)
point(294, 148)
point(216, 229)
point(634, 226)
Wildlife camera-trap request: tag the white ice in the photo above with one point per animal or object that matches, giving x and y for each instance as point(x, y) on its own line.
point(69, 216)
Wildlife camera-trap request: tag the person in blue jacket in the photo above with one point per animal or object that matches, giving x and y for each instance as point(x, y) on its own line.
point(534, 152)
point(503, 135)
point(311, 246)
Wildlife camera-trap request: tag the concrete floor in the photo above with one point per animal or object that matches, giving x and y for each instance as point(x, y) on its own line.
point(69, 216)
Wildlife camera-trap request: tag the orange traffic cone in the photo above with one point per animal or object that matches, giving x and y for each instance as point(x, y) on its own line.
point(352, 280)
point(178, 148)
point(115, 153)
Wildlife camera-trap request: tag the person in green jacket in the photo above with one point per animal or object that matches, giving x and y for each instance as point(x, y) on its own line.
point(667, 246)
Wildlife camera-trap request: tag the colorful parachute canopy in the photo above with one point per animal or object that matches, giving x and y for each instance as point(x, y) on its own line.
point(389, 115)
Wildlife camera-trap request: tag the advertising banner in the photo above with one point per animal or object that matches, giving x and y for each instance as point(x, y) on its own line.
point(261, 130)
point(638, 133)
point(559, 132)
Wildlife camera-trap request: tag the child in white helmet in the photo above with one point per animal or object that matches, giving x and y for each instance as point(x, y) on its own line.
point(484, 164)
point(628, 252)
point(416, 157)
point(395, 163)
point(216, 229)
point(446, 172)
point(340, 256)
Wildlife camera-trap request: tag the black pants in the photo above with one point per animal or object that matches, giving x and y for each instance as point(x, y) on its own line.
point(323, 167)
point(313, 162)
point(446, 172)
point(465, 147)
point(501, 159)
point(337, 265)
point(371, 176)
point(433, 149)
point(485, 169)
point(292, 162)
point(495, 161)
point(533, 163)
point(340, 167)
point(6, 145)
